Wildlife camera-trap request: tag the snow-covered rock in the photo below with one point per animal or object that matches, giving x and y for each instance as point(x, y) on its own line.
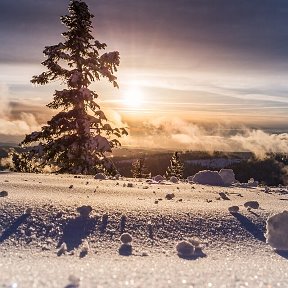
point(207, 177)
point(173, 179)
point(185, 249)
point(84, 211)
point(126, 238)
point(277, 231)
point(252, 183)
point(227, 176)
point(251, 205)
point(100, 176)
point(190, 179)
point(158, 178)
point(233, 209)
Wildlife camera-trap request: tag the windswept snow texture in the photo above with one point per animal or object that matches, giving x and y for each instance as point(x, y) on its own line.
point(277, 231)
point(207, 177)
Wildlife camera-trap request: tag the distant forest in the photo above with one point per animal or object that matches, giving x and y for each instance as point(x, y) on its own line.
point(272, 171)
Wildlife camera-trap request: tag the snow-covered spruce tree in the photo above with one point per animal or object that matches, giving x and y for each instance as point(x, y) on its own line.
point(139, 168)
point(77, 138)
point(176, 167)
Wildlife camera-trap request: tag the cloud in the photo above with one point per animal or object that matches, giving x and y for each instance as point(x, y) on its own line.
point(177, 134)
point(24, 125)
point(16, 118)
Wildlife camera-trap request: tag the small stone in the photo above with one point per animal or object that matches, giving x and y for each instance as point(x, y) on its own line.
point(144, 254)
point(224, 196)
point(185, 249)
point(84, 211)
point(71, 186)
point(100, 176)
point(84, 249)
point(170, 196)
point(125, 249)
point(195, 242)
point(74, 282)
point(126, 238)
point(62, 250)
point(251, 205)
point(3, 194)
point(28, 211)
point(233, 209)
point(130, 185)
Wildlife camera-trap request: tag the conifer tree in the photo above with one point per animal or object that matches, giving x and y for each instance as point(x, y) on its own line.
point(176, 167)
point(77, 138)
point(139, 168)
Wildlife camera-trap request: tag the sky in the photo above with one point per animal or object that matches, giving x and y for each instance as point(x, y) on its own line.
point(191, 72)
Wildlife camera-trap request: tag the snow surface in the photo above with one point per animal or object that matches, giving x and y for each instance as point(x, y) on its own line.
point(234, 244)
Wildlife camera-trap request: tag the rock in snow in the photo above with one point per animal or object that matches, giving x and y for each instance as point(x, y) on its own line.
point(100, 176)
point(84, 211)
point(170, 196)
point(227, 176)
point(251, 205)
point(158, 178)
point(277, 231)
point(185, 248)
point(173, 179)
point(126, 238)
point(3, 194)
point(233, 209)
point(190, 179)
point(207, 177)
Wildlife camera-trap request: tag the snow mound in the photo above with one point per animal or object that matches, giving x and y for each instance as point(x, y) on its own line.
point(158, 178)
point(227, 176)
point(173, 179)
point(277, 231)
point(100, 176)
point(207, 177)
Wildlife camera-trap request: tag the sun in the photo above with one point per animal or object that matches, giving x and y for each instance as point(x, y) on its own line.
point(133, 97)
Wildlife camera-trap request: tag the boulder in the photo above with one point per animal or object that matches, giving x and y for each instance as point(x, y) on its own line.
point(227, 176)
point(207, 177)
point(277, 231)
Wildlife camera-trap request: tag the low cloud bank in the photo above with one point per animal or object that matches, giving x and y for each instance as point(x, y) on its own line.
point(13, 123)
point(159, 132)
point(179, 134)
